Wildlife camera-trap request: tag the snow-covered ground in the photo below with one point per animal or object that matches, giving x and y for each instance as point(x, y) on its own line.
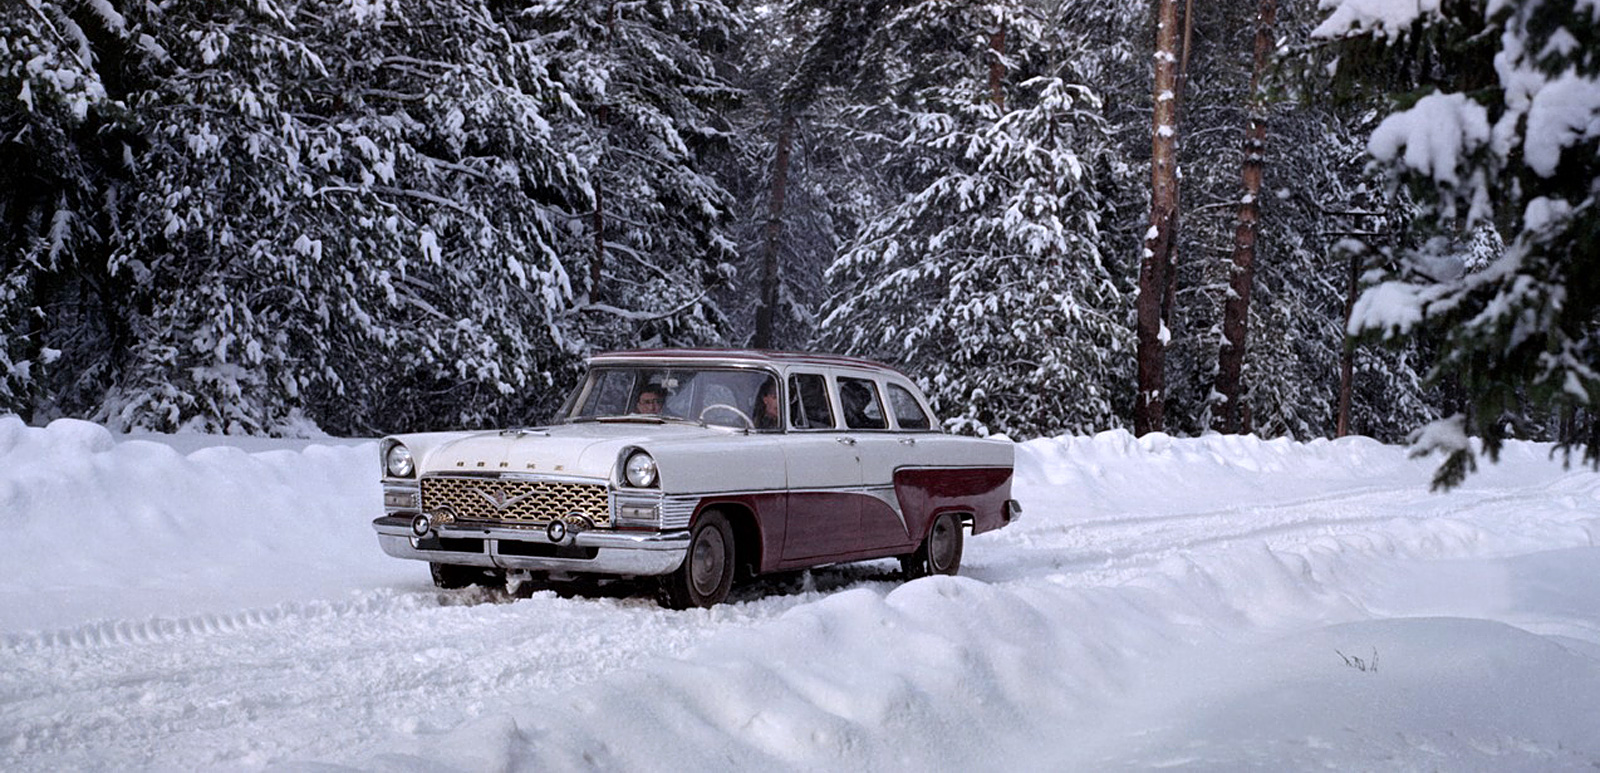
point(1217, 603)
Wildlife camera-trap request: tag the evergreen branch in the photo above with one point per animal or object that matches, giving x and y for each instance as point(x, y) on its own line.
point(641, 316)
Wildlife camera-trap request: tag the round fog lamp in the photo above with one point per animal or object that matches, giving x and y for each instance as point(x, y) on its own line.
point(421, 524)
point(557, 531)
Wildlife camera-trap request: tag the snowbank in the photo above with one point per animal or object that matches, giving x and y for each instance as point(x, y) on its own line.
point(1214, 603)
point(99, 528)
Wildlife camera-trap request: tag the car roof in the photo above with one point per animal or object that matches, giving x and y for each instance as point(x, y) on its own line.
point(742, 356)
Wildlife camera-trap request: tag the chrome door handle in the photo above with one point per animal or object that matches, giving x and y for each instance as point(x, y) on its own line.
point(908, 441)
point(849, 441)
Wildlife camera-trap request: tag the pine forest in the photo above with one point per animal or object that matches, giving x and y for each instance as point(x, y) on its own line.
point(1288, 218)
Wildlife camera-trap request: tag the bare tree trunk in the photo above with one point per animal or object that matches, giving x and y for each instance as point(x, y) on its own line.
point(1160, 240)
point(598, 222)
point(766, 311)
point(1236, 312)
point(1347, 362)
point(997, 70)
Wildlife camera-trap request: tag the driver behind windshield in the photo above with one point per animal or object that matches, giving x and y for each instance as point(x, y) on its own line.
point(651, 398)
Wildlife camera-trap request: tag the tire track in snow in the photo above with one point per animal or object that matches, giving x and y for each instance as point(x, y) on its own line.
point(1460, 524)
point(110, 633)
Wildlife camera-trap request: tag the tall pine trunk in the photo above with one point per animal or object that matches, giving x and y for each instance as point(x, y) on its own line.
point(1347, 360)
point(1160, 242)
point(1230, 416)
point(997, 68)
point(602, 117)
point(766, 311)
point(598, 262)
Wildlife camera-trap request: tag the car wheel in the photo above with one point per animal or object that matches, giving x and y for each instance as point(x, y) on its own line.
point(707, 571)
point(451, 576)
point(940, 552)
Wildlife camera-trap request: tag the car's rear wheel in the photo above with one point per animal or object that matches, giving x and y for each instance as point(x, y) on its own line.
point(940, 551)
point(707, 571)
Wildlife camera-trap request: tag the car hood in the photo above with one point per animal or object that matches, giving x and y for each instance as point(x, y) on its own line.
point(588, 450)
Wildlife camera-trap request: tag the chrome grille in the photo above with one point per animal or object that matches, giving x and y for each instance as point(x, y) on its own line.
point(515, 499)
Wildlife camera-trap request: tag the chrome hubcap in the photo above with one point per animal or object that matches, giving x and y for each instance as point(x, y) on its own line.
point(705, 563)
point(942, 544)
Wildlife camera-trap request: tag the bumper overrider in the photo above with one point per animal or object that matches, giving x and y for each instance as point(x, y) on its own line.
point(406, 532)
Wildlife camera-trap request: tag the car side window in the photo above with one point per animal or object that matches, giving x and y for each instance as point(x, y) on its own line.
point(908, 412)
point(808, 402)
point(858, 398)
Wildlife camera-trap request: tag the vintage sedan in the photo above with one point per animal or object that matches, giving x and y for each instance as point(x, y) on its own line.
point(696, 467)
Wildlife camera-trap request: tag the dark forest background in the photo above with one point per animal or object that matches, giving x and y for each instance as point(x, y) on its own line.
point(363, 216)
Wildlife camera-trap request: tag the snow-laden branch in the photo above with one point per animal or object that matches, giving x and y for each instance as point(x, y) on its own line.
point(640, 316)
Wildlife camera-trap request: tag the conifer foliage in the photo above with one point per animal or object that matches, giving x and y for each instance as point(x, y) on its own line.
point(988, 280)
point(272, 216)
point(359, 213)
point(1516, 159)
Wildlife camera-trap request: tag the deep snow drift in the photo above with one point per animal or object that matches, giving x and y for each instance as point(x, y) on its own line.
point(1215, 603)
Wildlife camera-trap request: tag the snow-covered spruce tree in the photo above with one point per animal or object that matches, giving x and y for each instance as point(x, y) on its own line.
point(346, 211)
point(987, 281)
point(655, 243)
point(62, 135)
point(1519, 154)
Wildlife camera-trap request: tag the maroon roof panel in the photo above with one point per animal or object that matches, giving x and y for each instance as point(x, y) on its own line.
point(750, 355)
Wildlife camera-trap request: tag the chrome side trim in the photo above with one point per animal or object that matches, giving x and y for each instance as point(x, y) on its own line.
point(886, 495)
point(676, 512)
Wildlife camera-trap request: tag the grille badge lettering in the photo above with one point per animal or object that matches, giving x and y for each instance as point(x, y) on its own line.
point(497, 498)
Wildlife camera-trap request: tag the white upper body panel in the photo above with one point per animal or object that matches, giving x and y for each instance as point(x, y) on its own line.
point(873, 416)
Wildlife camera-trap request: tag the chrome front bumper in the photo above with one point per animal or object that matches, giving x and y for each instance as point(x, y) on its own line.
point(588, 552)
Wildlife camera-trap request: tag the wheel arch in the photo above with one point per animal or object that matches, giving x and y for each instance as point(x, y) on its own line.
point(747, 540)
point(963, 514)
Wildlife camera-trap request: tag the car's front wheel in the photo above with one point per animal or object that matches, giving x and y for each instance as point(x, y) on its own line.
point(940, 552)
point(453, 576)
point(707, 571)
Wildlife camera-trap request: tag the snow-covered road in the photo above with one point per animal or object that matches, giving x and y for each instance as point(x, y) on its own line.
point(1214, 603)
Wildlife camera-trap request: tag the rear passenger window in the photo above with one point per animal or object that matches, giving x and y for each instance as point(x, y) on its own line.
point(858, 398)
point(808, 402)
point(908, 412)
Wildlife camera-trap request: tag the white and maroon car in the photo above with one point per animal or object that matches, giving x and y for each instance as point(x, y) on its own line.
point(696, 465)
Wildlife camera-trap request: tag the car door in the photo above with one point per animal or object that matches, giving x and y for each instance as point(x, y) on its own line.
point(824, 474)
point(882, 450)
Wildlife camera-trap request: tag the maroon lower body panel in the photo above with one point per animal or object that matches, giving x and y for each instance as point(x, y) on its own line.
point(807, 528)
point(925, 492)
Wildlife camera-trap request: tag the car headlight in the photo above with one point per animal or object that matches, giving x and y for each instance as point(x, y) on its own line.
point(640, 470)
point(398, 462)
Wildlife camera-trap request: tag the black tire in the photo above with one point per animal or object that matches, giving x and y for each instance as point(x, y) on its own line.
point(451, 576)
point(706, 575)
point(940, 552)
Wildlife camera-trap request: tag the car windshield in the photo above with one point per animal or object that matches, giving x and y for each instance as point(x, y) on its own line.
point(727, 397)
